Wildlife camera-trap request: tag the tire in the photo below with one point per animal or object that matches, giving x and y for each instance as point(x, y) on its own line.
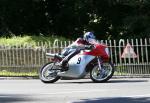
point(47, 75)
point(100, 76)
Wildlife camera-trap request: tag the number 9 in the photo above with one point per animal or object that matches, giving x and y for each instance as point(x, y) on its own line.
point(79, 60)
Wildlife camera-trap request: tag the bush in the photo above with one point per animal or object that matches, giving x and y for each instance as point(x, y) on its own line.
point(18, 40)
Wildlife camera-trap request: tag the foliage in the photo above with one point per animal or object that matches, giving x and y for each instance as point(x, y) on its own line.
point(18, 40)
point(17, 74)
point(109, 19)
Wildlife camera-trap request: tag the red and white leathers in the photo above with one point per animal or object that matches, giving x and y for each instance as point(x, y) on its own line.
point(81, 43)
point(103, 49)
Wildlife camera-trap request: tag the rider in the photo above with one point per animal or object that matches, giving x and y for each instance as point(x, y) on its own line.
point(87, 39)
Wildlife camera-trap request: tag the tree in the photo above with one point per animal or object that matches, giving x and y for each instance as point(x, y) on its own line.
point(109, 19)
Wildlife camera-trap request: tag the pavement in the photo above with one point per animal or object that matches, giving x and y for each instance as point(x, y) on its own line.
point(116, 90)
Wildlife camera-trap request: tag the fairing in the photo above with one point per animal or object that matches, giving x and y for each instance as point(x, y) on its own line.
point(77, 66)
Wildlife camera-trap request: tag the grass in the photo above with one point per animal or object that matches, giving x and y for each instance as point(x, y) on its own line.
point(18, 40)
point(6, 73)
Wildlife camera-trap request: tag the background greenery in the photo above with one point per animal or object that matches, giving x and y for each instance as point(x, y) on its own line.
point(32, 40)
point(109, 19)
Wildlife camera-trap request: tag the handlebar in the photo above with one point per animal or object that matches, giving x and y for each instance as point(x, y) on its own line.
point(89, 47)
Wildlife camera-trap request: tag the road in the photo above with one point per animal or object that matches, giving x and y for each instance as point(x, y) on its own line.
point(123, 90)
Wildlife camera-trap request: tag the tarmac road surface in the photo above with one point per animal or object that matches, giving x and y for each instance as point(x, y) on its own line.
point(123, 90)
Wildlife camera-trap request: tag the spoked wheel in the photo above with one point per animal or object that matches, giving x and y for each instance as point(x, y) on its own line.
point(102, 75)
point(47, 74)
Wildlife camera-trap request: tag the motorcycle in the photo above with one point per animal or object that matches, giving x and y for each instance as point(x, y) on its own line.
point(90, 60)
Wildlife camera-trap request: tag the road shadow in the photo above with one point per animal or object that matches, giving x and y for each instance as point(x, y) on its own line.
point(126, 81)
point(109, 81)
point(116, 100)
point(11, 98)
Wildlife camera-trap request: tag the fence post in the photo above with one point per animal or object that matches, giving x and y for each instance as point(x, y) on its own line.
point(55, 45)
point(110, 46)
point(137, 51)
point(142, 56)
point(115, 47)
point(146, 51)
point(120, 41)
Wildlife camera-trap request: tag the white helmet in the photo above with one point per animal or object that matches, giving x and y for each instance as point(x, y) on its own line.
point(88, 36)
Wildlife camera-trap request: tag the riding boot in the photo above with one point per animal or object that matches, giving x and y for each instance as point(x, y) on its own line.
point(64, 65)
point(64, 62)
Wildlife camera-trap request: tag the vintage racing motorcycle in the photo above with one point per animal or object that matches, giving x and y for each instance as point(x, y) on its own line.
point(89, 61)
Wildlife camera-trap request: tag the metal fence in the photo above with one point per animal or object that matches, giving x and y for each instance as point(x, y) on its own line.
point(131, 57)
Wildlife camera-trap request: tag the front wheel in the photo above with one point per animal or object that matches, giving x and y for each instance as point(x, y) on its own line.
point(48, 74)
point(103, 74)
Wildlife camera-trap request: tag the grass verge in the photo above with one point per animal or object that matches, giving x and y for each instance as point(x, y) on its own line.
point(6, 73)
point(18, 40)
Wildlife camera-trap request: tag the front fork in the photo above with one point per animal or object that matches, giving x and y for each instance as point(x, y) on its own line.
point(99, 60)
point(101, 70)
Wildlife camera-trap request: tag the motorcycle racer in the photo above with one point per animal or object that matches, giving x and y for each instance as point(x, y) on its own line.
point(85, 55)
point(87, 40)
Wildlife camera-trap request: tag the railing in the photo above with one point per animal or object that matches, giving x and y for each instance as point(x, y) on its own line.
point(27, 59)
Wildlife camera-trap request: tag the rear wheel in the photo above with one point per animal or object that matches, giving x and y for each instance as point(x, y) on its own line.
point(47, 74)
point(102, 75)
